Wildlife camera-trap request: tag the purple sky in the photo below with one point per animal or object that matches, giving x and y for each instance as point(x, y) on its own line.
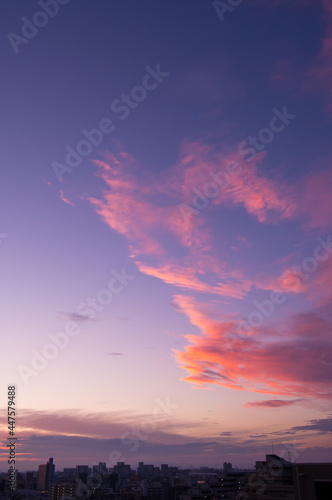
point(166, 254)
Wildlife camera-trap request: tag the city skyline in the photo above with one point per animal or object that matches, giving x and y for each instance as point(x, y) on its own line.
point(273, 476)
point(166, 254)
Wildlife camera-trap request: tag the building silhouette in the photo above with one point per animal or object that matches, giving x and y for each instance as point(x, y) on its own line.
point(45, 475)
point(280, 479)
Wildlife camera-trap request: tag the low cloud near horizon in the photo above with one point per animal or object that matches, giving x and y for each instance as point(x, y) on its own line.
point(101, 436)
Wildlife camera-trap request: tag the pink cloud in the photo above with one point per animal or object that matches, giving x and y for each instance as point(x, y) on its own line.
point(182, 251)
point(185, 278)
point(290, 281)
point(63, 198)
point(266, 199)
point(98, 424)
point(315, 286)
point(145, 209)
point(292, 360)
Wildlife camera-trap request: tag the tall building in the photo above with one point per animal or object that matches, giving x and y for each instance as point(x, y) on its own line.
point(227, 467)
point(82, 472)
point(45, 475)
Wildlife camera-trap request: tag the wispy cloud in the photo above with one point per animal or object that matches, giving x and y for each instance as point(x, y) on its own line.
point(64, 199)
point(72, 435)
point(180, 250)
point(72, 316)
point(322, 425)
point(183, 252)
point(271, 403)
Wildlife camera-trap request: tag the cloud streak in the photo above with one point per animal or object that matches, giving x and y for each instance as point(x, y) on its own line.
point(271, 403)
point(72, 435)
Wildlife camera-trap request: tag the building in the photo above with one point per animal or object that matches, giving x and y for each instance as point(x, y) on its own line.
point(100, 468)
point(45, 475)
point(123, 470)
point(313, 481)
point(82, 473)
point(282, 480)
point(231, 484)
point(82, 469)
point(30, 480)
point(227, 467)
point(62, 490)
point(69, 472)
point(145, 471)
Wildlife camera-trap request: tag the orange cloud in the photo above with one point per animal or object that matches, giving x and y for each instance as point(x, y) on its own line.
point(294, 362)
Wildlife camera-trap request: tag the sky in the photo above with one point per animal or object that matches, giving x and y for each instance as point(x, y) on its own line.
point(166, 239)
